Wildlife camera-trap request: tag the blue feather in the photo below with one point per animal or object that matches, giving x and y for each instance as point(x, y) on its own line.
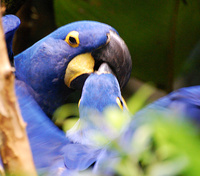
point(10, 25)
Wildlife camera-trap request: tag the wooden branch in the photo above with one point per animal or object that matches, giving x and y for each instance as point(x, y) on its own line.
point(15, 150)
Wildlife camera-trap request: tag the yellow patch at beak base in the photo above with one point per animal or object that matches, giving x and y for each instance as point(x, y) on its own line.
point(81, 64)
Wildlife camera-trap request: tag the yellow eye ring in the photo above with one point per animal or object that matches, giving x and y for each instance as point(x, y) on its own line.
point(119, 102)
point(73, 39)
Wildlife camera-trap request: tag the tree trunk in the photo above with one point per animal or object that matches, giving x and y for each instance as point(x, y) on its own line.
point(15, 150)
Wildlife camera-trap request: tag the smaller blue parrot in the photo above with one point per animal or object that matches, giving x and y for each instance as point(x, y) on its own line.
point(100, 91)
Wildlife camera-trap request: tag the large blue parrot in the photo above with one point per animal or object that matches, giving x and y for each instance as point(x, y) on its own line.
point(47, 72)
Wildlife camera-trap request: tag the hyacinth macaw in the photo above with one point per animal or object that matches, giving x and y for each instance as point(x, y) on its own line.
point(92, 104)
point(91, 123)
point(47, 72)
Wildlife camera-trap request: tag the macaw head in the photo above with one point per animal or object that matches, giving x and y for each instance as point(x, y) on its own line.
point(62, 60)
point(101, 90)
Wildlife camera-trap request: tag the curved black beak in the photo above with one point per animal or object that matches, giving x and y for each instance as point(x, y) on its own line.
point(116, 54)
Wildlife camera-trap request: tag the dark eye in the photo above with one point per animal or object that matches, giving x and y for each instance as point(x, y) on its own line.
point(72, 40)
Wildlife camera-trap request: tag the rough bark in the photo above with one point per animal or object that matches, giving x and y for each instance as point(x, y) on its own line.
point(15, 150)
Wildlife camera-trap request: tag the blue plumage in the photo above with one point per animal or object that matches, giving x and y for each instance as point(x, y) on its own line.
point(45, 138)
point(10, 25)
point(101, 94)
point(185, 102)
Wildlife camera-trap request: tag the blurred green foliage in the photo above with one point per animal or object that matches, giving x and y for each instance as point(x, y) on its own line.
point(160, 34)
point(163, 144)
point(139, 99)
point(66, 116)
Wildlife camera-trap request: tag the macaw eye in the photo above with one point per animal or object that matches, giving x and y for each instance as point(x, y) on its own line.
point(73, 39)
point(119, 102)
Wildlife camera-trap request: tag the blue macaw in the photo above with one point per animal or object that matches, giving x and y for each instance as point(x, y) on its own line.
point(91, 123)
point(101, 90)
point(47, 72)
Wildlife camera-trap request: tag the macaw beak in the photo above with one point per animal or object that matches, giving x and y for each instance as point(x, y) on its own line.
point(104, 69)
point(117, 56)
point(115, 53)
